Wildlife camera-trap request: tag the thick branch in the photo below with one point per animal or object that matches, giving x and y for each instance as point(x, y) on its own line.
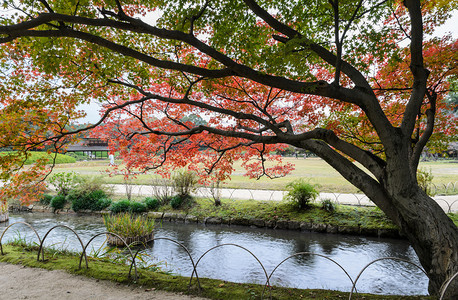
point(420, 145)
point(322, 52)
point(420, 74)
point(320, 88)
point(369, 161)
point(353, 174)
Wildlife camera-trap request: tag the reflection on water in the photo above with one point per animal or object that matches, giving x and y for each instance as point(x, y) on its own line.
point(270, 246)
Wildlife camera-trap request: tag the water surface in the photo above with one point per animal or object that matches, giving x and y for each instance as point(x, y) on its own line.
point(269, 246)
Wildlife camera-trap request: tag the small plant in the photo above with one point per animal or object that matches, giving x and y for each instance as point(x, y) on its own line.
point(152, 203)
point(328, 205)
point(162, 190)
point(215, 191)
point(179, 201)
point(58, 202)
point(120, 206)
point(65, 182)
point(301, 193)
point(129, 226)
point(93, 183)
point(425, 181)
point(137, 207)
point(176, 202)
point(184, 183)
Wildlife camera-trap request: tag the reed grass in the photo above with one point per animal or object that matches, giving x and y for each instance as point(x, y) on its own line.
point(127, 225)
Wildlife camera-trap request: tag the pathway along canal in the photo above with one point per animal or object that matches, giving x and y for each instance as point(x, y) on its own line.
point(270, 246)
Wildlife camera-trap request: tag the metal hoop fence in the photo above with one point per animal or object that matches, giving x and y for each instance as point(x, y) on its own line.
point(194, 263)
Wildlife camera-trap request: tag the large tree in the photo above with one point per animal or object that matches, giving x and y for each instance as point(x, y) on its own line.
point(355, 82)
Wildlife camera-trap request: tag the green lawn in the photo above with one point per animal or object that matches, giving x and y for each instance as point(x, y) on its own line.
point(444, 172)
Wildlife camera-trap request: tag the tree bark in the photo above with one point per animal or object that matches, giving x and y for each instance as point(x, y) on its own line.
point(433, 236)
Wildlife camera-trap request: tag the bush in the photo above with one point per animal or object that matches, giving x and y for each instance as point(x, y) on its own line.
point(179, 201)
point(58, 202)
point(120, 206)
point(95, 200)
point(184, 183)
point(46, 199)
point(65, 182)
point(101, 204)
point(94, 183)
point(176, 202)
point(300, 193)
point(137, 207)
point(328, 205)
point(152, 203)
point(162, 190)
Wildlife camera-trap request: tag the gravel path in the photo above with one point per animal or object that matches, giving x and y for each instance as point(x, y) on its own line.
point(19, 282)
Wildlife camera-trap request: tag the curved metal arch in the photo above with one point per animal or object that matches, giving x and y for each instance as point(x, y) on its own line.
point(435, 188)
point(230, 244)
point(6, 229)
point(357, 198)
point(124, 242)
point(185, 249)
point(447, 283)
point(46, 235)
point(448, 204)
point(271, 195)
point(379, 259)
point(231, 194)
point(451, 205)
point(307, 253)
point(336, 196)
point(251, 195)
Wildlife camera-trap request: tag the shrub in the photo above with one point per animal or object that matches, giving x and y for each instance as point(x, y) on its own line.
point(152, 203)
point(184, 182)
point(94, 183)
point(95, 200)
point(46, 199)
point(65, 182)
point(137, 207)
point(58, 202)
point(120, 206)
point(328, 205)
point(300, 193)
point(176, 202)
point(101, 204)
point(179, 201)
point(162, 190)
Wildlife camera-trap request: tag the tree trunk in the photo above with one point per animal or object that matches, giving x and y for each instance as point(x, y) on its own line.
point(431, 233)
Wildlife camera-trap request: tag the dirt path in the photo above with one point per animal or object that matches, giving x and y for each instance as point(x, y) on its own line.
point(19, 282)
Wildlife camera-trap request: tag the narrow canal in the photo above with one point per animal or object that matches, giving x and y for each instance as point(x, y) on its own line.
point(232, 263)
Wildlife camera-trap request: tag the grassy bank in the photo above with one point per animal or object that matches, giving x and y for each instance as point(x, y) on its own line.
point(444, 172)
point(212, 289)
point(364, 217)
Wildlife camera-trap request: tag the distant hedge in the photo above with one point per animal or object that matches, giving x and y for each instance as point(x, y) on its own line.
point(35, 155)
